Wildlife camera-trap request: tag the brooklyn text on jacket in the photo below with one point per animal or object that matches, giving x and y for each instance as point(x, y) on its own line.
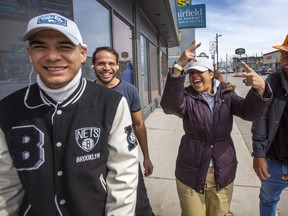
point(89, 157)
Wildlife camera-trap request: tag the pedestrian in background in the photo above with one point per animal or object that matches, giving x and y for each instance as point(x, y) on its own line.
point(270, 138)
point(69, 140)
point(127, 74)
point(206, 162)
point(105, 65)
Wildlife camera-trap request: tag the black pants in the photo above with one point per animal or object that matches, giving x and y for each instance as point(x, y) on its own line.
point(143, 207)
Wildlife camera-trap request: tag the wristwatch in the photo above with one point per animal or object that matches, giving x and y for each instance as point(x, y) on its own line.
point(178, 67)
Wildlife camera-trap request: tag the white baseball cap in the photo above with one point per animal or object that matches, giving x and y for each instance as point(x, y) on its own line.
point(56, 22)
point(202, 64)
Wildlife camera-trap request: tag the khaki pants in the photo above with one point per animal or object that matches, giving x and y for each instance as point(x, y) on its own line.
point(211, 203)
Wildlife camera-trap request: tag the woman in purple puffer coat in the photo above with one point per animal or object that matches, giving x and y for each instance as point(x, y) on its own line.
point(206, 163)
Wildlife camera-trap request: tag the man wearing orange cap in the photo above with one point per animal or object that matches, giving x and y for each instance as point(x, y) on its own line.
point(269, 135)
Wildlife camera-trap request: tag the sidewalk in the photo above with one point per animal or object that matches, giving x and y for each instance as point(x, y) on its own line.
point(164, 133)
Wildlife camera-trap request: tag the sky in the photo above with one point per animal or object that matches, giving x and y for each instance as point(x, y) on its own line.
point(255, 25)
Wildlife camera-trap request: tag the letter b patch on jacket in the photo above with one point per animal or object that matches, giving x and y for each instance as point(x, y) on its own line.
point(131, 137)
point(27, 147)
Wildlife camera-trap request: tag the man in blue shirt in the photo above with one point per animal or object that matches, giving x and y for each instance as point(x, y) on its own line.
point(105, 65)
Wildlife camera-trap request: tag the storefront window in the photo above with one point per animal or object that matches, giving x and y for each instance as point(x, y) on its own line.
point(93, 21)
point(154, 76)
point(163, 69)
point(122, 43)
point(15, 68)
point(143, 73)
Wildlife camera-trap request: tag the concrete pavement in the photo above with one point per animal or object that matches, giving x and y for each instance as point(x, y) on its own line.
point(164, 133)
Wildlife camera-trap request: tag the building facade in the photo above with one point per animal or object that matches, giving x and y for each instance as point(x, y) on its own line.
point(254, 62)
point(141, 31)
point(268, 60)
point(271, 60)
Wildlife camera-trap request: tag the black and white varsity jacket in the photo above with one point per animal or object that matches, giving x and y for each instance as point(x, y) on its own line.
point(76, 158)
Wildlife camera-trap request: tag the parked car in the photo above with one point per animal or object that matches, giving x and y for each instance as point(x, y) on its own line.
point(230, 70)
point(264, 70)
point(222, 71)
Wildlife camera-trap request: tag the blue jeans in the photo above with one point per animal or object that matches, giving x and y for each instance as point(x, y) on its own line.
point(272, 187)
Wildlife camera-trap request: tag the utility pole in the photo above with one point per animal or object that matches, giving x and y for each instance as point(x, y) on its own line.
point(217, 64)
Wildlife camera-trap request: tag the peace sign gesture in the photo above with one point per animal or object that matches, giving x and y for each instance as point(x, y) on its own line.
point(252, 79)
point(188, 54)
point(186, 57)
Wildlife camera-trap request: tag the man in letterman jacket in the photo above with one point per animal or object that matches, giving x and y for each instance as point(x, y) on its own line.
point(67, 146)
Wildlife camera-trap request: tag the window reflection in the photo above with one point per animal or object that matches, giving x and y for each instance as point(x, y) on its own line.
point(122, 43)
point(154, 78)
point(93, 21)
point(163, 69)
point(143, 73)
point(15, 67)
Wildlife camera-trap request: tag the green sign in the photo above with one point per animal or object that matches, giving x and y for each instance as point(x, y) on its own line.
point(240, 51)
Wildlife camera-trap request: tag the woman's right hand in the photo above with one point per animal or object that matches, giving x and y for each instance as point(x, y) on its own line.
point(188, 54)
point(186, 57)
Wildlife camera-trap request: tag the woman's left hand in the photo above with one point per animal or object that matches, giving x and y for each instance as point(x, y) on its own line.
point(252, 79)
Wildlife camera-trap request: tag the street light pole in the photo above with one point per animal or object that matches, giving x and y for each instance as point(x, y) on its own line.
point(217, 66)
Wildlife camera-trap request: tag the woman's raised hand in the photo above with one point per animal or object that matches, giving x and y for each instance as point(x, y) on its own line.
point(188, 54)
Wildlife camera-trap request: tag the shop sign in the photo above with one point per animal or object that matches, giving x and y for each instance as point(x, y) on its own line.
point(240, 51)
point(192, 16)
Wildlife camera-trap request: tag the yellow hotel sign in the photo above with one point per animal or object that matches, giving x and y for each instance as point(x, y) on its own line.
point(181, 2)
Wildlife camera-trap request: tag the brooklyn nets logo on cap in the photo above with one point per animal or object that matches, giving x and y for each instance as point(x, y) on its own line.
point(52, 19)
point(87, 138)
